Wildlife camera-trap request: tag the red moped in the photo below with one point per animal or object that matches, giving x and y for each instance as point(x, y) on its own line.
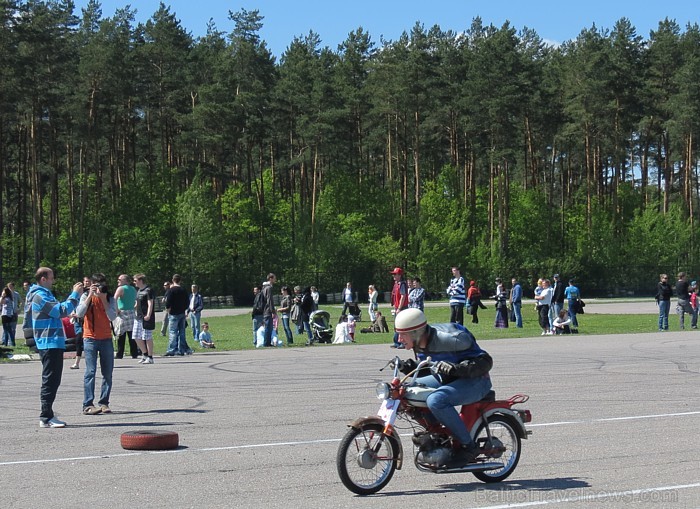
point(371, 450)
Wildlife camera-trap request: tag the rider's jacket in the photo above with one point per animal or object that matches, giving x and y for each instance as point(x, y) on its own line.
point(449, 342)
point(453, 343)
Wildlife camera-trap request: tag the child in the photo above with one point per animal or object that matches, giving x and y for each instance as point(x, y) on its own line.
point(562, 323)
point(205, 337)
point(351, 327)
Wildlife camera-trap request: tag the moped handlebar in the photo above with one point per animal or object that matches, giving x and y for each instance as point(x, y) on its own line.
point(396, 362)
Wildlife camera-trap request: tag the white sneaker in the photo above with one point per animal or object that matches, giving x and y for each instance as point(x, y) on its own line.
point(52, 423)
point(148, 360)
point(143, 360)
point(543, 333)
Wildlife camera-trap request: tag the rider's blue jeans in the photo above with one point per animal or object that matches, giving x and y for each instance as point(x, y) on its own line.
point(443, 401)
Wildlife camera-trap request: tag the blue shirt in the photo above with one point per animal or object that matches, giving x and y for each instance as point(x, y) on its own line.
point(571, 292)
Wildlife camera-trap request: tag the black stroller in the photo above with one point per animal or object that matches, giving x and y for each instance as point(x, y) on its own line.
point(321, 331)
point(352, 308)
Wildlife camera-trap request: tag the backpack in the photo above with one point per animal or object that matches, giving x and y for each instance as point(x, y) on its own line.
point(258, 304)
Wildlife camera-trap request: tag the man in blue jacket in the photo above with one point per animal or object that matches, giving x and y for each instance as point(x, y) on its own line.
point(461, 372)
point(516, 302)
point(46, 313)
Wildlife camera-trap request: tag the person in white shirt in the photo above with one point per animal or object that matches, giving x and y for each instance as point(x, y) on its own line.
point(544, 300)
point(315, 296)
point(562, 323)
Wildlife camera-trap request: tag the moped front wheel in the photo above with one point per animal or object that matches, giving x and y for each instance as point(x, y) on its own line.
point(504, 448)
point(366, 459)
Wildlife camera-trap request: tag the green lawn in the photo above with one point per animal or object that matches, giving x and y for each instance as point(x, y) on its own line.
point(235, 332)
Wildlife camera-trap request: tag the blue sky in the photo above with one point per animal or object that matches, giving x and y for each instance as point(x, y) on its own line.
point(554, 21)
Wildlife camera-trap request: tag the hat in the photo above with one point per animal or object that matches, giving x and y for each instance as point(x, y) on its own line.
point(556, 276)
point(409, 320)
point(397, 270)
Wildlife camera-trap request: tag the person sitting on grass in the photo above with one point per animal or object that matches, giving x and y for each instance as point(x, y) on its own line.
point(562, 323)
point(378, 325)
point(205, 337)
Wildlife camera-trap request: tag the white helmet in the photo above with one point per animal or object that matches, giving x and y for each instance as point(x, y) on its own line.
point(410, 320)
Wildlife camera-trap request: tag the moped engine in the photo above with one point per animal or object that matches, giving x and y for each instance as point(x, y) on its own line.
point(433, 450)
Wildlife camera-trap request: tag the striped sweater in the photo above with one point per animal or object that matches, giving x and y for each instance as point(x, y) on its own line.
point(456, 291)
point(46, 316)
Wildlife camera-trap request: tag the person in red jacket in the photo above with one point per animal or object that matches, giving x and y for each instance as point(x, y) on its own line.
point(399, 299)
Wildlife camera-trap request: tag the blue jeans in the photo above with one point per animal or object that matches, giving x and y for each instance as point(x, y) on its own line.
point(664, 308)
point(267, 320)
point(8, 338)
point(287, 329)
point(194, 323)
point(105, 349)
point(257, 322)
point(558, 306)
point(305, 325)
point(443, 401)
point(517, 309)
point(177, 344)
point(574, 322)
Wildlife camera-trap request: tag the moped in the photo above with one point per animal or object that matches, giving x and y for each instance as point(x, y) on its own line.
point(371, 450)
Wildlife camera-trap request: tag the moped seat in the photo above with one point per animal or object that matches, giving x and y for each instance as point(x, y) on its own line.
point(490, 396)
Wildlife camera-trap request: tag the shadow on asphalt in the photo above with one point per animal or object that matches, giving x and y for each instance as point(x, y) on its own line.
point(557, 483)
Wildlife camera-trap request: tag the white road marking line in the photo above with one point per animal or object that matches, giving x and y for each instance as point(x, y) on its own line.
point(308, 442)
point(554, 498)
point(611, 419)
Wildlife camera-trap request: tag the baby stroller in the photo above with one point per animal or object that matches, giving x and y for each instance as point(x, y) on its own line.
point(321, 330)
point(354, 310)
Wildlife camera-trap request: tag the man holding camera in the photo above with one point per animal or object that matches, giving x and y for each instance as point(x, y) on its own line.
point(98, 308)
point(42, 314)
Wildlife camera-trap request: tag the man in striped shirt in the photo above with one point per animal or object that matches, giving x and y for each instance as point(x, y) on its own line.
point(458, 297)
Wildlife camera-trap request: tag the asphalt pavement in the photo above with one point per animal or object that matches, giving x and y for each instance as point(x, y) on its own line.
point(615, 422)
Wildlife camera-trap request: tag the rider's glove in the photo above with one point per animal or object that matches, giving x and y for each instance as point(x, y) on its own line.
point(444, 368)
point(406, 366)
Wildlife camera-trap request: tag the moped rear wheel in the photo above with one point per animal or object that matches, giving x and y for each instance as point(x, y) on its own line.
point(505, 448)
point(366, 459)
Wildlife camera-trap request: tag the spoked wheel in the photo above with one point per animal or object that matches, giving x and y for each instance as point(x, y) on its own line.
point(366, 459)
point(504, 448)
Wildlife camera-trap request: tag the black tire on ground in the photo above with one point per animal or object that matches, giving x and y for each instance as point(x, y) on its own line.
point(150, 440)
point(504, 429)
point(380, 466)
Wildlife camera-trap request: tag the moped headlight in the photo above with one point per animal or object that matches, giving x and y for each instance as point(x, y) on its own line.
point(383, 390)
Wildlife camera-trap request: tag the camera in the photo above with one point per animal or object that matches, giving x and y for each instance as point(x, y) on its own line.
point(102, 287)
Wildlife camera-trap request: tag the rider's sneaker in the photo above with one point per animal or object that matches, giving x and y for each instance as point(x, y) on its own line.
point(464, 455)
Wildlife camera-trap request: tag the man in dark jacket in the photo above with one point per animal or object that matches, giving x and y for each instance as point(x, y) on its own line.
point(683, 294)
point(269, 307)
point(461, 372)
point(558, 296)
point(176, 302)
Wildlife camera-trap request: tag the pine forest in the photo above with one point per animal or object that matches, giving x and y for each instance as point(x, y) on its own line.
point(136, 147)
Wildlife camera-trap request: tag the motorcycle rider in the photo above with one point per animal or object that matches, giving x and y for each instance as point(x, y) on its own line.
point(460, 373)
